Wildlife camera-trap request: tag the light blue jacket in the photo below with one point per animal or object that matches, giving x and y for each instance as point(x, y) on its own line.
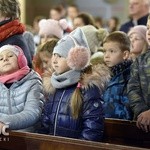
point(21, 105)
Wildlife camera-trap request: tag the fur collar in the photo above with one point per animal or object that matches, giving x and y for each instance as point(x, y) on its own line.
point(99, 77)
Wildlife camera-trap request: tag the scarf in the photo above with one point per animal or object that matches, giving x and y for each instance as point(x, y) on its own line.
point(11, 28)
point(120, 67)
point(66, 79)
point(16, 76)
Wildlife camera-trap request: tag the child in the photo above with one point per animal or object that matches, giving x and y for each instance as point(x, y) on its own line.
point(42, 59)
point(74, 107)
point(21, 96)
point(139, 44)
point(116, 52)
point(139, 87)
point(49, 28)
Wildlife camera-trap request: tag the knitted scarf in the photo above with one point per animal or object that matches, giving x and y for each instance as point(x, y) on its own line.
point(120, 67)
point(11, 28)
point(66, 79)
point(16, 76)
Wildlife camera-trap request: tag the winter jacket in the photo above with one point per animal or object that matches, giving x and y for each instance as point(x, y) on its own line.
point(128, 25)
point(57, 119)
point(139, 84)
point(116, 103)
point(21, 105)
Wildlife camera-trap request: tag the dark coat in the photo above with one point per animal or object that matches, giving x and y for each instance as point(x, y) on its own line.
point(57, 118)
point(128, 25)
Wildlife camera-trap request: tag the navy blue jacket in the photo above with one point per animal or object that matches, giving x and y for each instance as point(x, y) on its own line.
point(57, 119)
point(128, 25)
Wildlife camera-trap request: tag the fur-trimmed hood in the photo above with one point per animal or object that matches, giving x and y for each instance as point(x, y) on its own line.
point(99, 77)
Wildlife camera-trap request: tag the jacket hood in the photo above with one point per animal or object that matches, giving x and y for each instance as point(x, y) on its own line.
point(99, 77)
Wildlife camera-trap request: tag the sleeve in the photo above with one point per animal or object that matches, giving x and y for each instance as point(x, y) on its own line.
point(93, 117)
point(43, 128)
point(31, 112)
point(137, 103)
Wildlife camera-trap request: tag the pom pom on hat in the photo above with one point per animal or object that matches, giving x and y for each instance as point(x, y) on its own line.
point(139, 29)
point(78, 58)
point(78, 46)
point(51, 27)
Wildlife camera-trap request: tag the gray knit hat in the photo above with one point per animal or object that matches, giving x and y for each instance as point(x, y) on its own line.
point(88, 37)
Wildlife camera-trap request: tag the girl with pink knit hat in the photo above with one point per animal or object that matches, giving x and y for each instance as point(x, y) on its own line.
point(50, 28)
point(74, 107)
point(21, 90)
point(138, 41)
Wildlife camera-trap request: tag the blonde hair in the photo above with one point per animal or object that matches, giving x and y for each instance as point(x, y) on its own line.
point(77, 98)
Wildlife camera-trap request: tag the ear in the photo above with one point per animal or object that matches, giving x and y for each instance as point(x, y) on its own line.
point(126, 55)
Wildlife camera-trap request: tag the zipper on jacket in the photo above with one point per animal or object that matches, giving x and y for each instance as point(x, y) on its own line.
point(55, 124)
point(9, 102)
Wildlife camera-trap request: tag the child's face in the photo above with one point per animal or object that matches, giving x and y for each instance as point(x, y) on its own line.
point(148, 32)
point(78, 22)
point(45, 38)
point(59, 64)
point(113, 54)
point(46, 60)
point(8, 62)
point(137, 43)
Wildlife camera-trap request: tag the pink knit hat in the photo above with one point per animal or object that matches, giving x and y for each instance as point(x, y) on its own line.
point(51, 27)
point(139, 29)
point(22, 61)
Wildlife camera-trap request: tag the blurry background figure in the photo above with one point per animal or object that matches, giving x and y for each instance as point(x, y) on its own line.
point(72, 12)
point(99, 22)
point(138, 13)
point(11, 29)
point(56, 13)
point(113, 23)
point(36, 29)
point(83, 19)
point(138, 41)
point(30, 42)
point(50, 28)
point(42, 59)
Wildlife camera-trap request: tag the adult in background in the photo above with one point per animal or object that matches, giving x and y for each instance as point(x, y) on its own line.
point(138, 12)
point(11, 30)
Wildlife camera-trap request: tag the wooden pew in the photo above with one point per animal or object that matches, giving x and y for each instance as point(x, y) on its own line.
point(126, 133)
point(118, 133)
point(31, 141)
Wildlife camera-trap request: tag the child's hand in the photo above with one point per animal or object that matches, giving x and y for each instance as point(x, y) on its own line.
point(143, 121)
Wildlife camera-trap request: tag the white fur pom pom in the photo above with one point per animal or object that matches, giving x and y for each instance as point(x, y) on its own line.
point(78, 58)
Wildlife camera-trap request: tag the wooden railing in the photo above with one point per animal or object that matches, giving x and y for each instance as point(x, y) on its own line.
point(126, 133)
point(118, 135)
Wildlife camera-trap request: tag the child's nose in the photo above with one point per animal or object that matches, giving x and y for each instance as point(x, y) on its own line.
point(106, 55)
point(55, 59)
point(5, 58)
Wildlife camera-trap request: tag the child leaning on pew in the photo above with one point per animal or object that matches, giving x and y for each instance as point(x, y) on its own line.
point(21, 91)
point(139, 87)
point(116, 52)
